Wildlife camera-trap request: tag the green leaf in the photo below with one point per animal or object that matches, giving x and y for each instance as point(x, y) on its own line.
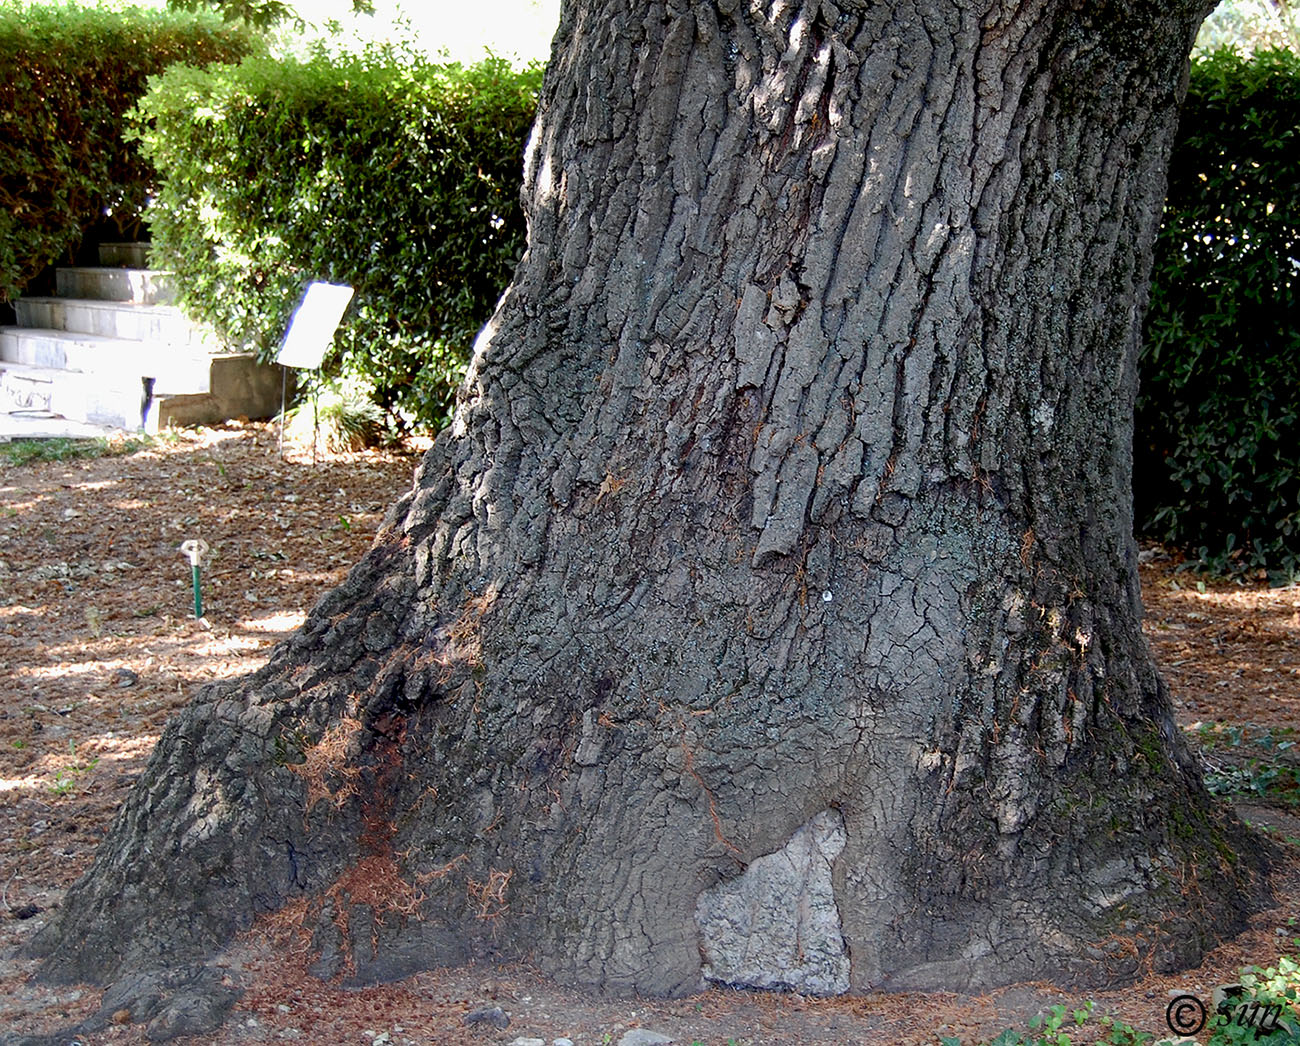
point(268, 166)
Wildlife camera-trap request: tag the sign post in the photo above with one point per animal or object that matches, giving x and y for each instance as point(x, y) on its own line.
point(311, 330)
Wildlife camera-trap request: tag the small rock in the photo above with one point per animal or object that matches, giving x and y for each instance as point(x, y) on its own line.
point(644, 1037)
point(383, 1039)
point(523, 1041)
point(124, 678)
point(562, 1042)
point(493, 1015)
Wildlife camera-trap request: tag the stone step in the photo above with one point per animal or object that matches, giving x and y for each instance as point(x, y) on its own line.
point(43, 425)
point(238, 386)
point(159, 323)
point(110, 351)
point(176, 368)
point(72, 395)
point(138, 286)
point(131, 255)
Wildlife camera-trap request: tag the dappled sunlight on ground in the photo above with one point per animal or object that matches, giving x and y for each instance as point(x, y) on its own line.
point(278, 623)
point(1230, 652)
point(98, 643)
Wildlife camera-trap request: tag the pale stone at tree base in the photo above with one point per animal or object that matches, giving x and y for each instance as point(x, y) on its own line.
point(776, 924)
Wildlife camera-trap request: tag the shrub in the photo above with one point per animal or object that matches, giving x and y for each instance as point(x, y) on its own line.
point(67, 75)
point(1217, 440)
point(340, 415)
point(392, 174)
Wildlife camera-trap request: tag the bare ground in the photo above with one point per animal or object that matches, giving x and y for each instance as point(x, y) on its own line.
point(98, 645)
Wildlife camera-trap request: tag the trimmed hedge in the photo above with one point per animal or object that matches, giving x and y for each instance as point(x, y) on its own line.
point(397, 176)
point(67, 75)
point(1217, 439)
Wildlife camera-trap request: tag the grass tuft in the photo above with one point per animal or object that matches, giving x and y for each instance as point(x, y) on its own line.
point(63, 448)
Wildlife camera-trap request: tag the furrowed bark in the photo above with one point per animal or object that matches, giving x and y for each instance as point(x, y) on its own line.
point(780, 556)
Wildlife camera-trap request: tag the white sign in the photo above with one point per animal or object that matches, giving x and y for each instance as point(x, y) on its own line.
point(313, 325)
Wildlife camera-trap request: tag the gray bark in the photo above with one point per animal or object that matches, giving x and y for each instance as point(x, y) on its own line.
point(789, 488)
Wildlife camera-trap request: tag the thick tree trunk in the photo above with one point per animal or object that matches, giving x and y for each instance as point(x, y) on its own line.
point(770, 611)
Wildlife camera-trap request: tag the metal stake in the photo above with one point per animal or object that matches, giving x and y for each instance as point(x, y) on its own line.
point(196, 549)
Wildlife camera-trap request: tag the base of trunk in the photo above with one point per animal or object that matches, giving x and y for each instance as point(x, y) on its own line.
point(410, 829)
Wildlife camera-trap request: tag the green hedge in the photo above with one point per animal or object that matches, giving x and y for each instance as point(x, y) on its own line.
point(67, 75)
point(1217, 443)
point(397, 176)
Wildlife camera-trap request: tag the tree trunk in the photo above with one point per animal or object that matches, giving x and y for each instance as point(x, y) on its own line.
point(770, 611)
